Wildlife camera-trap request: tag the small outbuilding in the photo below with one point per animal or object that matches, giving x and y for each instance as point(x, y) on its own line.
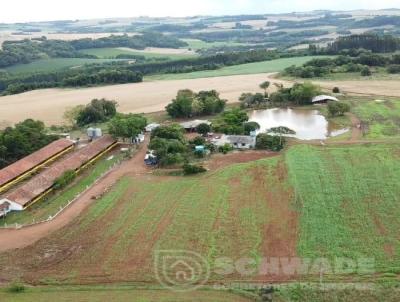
point(236, 141)
point(323, 99)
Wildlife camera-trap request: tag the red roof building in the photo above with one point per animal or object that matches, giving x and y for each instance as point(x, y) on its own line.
point(34, 188)
point(30, 163)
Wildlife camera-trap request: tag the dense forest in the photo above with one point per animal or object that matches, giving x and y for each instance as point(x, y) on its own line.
point(372, 42)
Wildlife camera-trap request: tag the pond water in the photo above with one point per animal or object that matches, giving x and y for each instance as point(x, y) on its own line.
point(308, 124)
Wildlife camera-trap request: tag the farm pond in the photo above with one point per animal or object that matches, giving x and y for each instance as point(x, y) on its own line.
point(308, 124)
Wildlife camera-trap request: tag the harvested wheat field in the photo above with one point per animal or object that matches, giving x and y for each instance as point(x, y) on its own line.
point(49, 105)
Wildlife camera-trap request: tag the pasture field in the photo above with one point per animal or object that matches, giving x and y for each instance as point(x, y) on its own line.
point(382, 117)
point(348, 198)
point(117, 294)
point(240, 211)
point(54, 64)
point(111, 53)
point(332, 201)
point(200, 44)
point(52, 204)
point(251, 68)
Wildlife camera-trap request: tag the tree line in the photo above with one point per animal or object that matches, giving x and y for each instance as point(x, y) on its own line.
point(362, 63)
point(122, 72)
point(26, 51)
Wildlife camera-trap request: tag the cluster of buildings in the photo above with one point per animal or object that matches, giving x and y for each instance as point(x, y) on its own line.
point(31, 178)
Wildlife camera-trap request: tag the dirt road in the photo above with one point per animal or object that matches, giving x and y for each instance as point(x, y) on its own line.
point(12, 239)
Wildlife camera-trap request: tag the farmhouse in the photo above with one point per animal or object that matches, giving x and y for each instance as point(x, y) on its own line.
point(38, 186)
point(236, 141)
point(191, 126)
point(322, 99)
point(19, 170)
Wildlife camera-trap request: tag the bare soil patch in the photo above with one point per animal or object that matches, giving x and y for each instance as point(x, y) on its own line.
point(49, 104)
point(219, 161)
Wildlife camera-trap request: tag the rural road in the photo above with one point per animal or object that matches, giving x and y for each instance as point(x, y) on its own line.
point(12, 238)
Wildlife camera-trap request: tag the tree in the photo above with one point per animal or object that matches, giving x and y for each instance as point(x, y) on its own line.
point(173, 131)
point(265, 141)
point(303, 94)
point(250, 127)
point(97, 111)
point(231, 121)
point(21, 140)
point(187, 104)
point(280, 131)
point(265, 85)
point(72, 113)
point(127, 125)
point(251, 100)
point(181, 106)
point(203, 128)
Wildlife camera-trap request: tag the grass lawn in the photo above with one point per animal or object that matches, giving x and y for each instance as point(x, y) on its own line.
point(251, 68)
point(117, 294)
point(52, 204)
point(48, 65)
point(111, 53)
point(348, 198)
point(382, 118)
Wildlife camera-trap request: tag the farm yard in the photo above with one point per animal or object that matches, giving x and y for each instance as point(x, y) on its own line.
point(270, 207)
point(266, 146)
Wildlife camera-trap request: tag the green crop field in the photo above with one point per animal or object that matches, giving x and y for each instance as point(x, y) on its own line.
point(110, 53)
point(117, 294)
point(349, 200)
point(47, 65)
point(382, 118)
point(251, 68)
point(51, 205)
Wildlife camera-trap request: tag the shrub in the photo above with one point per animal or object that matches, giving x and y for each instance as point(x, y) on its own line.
point(366, 72)
point(203, 128)
point(225, 148)
point(16, 287)
point(336, 90)
point(338, 108)
point(189, 169)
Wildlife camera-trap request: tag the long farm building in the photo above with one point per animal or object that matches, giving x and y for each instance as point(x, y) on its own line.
point(21, 169)
point(32, 190)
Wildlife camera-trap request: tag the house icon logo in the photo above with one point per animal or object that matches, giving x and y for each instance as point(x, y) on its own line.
point(180, 270)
